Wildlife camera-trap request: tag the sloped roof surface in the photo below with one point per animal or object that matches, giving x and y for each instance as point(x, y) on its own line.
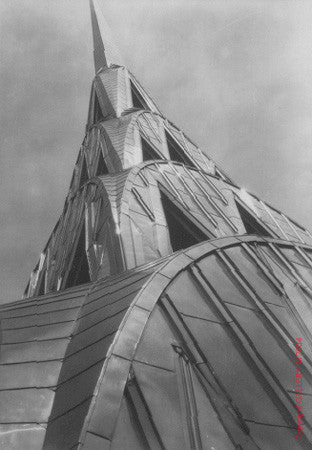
point(52, 345)
point(197, 351)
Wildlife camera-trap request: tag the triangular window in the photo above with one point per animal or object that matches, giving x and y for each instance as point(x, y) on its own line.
point(41, 289)
point(79, 271)
point(182, 231)
point(148, 152)
point(74, 172)
point(84, 173)
point(97, 110)
point(72, 179)
point(26, 292)
point(137, 99)
point(176, 152)
point(101, 167)
point(251, 224)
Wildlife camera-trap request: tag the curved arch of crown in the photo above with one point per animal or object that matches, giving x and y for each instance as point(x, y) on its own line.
point(74, 251)
point(217, 305)
point(114, 91)
point(166, 206)
point(141, 135)
point(117, 222)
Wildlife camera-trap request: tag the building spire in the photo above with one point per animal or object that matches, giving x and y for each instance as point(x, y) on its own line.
point(104, 50)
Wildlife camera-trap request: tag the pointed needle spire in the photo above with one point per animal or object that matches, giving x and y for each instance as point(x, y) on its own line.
point(104, 50)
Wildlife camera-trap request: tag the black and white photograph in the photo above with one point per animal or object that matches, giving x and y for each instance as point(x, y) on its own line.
point(156, 235)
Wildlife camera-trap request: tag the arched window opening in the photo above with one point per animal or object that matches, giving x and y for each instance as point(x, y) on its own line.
point(176, 152)
point(79, 270)
point(101, 167)
point(97, 110)
point(84, 176)
point(137, 98)
point(183, 232)
point(251, 224)
point(148, 151)
point(41, 289)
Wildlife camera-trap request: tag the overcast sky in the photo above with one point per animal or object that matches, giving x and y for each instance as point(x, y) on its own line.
point(235, 75)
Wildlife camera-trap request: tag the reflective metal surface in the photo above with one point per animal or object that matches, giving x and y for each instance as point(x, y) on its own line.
point(188, 350)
